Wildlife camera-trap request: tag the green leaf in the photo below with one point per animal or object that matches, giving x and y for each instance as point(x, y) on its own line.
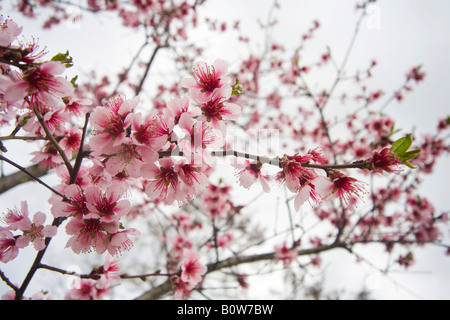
point(63, 58)
point(237, 88)
point(447, 120)
point(73, 81)
point(401, 147)
point(411, 154)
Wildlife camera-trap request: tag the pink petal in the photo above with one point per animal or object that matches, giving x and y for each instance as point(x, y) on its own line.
point(302, 196)
point(53, 67)
point(24, 209)
point(231, 111)
point(264, 184)
point(74, 226)
point(39, 244)
point(111, 227)
point(247, 179)
point(101, 244)
point(220, 67)
point(93, 194)
point(186, 122)
point(122, 207)
point(188, 83)
point(16, 92)
point(39, 218)
point(65, 88)
point(128, 106)
point(22, 242)
point(50, 231)
point(149, 170)
point(323, 186)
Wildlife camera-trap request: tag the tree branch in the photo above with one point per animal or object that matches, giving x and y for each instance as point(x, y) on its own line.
point(24, 175)
point(32, 177)
point(53, 140)
point(158, 291)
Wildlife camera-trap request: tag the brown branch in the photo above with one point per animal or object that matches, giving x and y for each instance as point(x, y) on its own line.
point(53, 140)
point(24, 175)
point(80, 155)
point(147, 69)
point(37, 263)
point(165, 287)
point(96, 276)
point(32, 177)
point(7, 281)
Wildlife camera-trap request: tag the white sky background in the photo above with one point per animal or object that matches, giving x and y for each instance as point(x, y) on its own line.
point(400, 35)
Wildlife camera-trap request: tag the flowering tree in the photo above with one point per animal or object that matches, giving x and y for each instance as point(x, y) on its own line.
point(153, 176)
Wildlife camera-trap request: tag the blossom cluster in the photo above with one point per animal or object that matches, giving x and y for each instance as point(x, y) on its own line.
point(32, 231)
point(98, 285)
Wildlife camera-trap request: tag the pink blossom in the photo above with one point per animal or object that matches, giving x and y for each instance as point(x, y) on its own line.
point(242, 280)
point(180, 243)
point(72, 139)
point(77, 206)
point(347, 188)
point(182, 220)
point(194, 180)
point(120, 182)
point(9, 295)
point(191, 269)
point(316, 260)
point(127, 158)
point(55, 120)
point(9, 246)
point(182, 289)
point(120, 241)
point(216, 201)
point(76, 106)
point(87, 290)
point(382, 126)
point(248, 173)
point(43, 84)
point(111, 121)
point(36, 232)
point(416, 74)
point(427, 233)
point(406, 260)
point(164, 182)
point(48, 157)
point(315, 189)
point(207, 78)
point(215, 109)
point(222, 241)
point(88, 234)
point(293, 171)
point(198, 137)
point(33, 231)
point(385, 160)
point(109, 272)
point(176, 107)
point(147, 131)
point(9, 30)
point(285, 255)
point(15, 218)
point(105, 205)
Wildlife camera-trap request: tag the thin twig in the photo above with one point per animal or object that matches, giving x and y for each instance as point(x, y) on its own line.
point(53, 140)
point(33, 177)
point(79, 159)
